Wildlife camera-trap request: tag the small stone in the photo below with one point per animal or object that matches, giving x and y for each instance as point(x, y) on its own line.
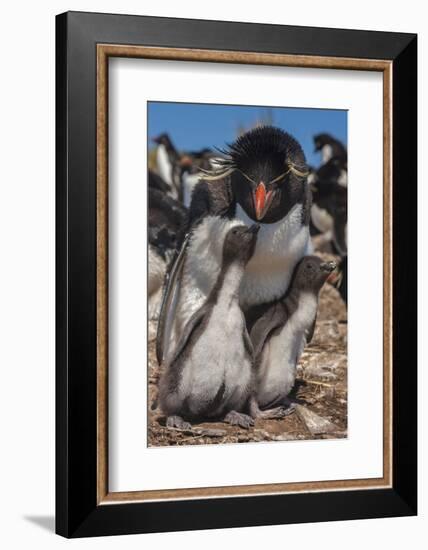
point(284, 437)
point(313, 422)
point(263, 435)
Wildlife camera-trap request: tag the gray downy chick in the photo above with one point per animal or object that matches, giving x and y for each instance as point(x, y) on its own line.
point(211, 371)
point(280, 335)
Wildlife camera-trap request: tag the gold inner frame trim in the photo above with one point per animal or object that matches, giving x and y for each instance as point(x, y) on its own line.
point(104, 51)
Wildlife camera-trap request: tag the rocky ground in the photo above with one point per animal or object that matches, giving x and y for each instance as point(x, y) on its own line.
point(320, 391)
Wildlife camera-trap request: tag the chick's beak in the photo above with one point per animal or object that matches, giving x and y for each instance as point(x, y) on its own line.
point(254, 229)
point(262, 200)
point(329, 267)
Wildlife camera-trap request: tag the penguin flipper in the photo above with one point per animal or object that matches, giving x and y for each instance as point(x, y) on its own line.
point(194, 321)
point(310, 332)
point(273, 318)
point(169, 303)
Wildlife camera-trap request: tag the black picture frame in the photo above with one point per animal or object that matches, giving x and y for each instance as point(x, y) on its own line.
point(77, 511)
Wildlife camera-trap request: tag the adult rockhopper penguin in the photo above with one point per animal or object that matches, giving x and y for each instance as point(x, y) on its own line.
point(262, 178)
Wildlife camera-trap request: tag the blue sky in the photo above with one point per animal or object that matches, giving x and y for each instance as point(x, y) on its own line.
point(194, 126)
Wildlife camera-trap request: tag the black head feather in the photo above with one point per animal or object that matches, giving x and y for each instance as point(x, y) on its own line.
point(262, 145)
point(266, 161)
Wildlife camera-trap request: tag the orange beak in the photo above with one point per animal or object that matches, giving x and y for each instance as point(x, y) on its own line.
point(262, 200)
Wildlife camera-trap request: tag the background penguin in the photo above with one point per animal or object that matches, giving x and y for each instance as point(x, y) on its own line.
point(261, 178)
point(280, 334)
point(210, 373)
point(167, 218)
point(329, 147)
point(329, 193)
point(329, 212)
point(163, 210)
point(191, 164)
point(190, 178)
point(168, 164)
point(156, 182)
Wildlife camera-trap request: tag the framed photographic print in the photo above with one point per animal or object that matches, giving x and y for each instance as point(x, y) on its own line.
point(221, 362)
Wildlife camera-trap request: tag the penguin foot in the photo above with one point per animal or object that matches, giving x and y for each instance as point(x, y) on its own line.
point(276, 412)
point(235, 418)
point(178, 423)
point(286, 408)
point(289, 409)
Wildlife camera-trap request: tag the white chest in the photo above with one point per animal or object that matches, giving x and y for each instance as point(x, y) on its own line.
point(326, 153)
point(189, 183)
point(164, 164)
point(343, 178)
point(280, 246)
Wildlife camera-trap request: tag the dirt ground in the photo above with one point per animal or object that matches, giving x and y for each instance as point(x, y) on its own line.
point(320, 391)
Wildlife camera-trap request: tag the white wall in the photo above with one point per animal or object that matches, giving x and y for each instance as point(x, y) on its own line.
point(27, 270)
